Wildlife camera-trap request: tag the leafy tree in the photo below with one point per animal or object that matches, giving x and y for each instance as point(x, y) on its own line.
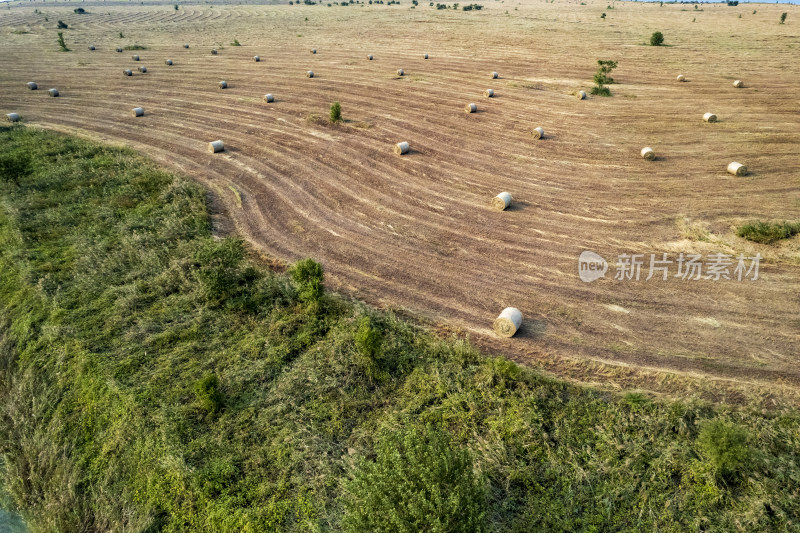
point(419, 481)
point(62, 25)
point(725, 447)
point(207, 393)
point(602, 78)
point(61, 42)
point(657, 39)
point(783, 18)
point(336, 112)
point(308, 275)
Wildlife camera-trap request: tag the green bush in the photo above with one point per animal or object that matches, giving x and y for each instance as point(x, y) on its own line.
point(725, 446)
point(336, 112)
point(419, 481)
point(768, 232)
point(62, 25)
point(61, 42)
point(207, 394)
point(308, 275)
point(236, 43)
point(657, 39)
point(783, 18)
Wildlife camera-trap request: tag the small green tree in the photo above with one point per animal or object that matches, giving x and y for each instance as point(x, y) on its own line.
point(235, 43)
point(725, 447)
point(419, 481)
point(61, 42)
point(176, 7)
point(336, 112)
point(602, 78)
point(603, 16)
point(783, 18)
point(657, 39)
point(207, 393)
point(308, 275)
point(62, 25)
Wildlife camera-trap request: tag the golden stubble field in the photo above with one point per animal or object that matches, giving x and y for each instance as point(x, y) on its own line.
point(415, 232)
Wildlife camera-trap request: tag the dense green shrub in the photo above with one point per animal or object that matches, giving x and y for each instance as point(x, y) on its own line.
point(336, 112)
point(418, 481)
point(726, 448)
point(768, 232)
point(657, 39)
point(208, 395)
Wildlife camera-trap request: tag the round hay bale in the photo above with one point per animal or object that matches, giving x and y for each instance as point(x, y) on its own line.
point(313, 50)
point(738, 84)
point(213, 51)
point(53, 92)
point(269, 98)
point(135, 58)
point(424, 56)
point(186, 45)
point(401, 148)
point(215, 146)
point(310, 74)
point(369, 57)
point(119, 49)
point(538, 133)
point(91, 47)
point(127, 72)
point(488, 93)
point(168, 62)
point(13, 117)
point(471, 108)
point(509, 321)
point(142, 69)
point(737, 169)
point(502, 201)
point(648, 153)
point(681, 77)
point(32, 86)
point(710, 117)
point(581, 95)
point(223, 84)
point(256, 59)
point(137, 112)
point(400, 72)
point(495, 75)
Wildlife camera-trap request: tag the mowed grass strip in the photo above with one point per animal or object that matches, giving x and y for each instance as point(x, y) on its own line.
point(154, 378)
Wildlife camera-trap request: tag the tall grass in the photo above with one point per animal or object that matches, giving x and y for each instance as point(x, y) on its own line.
point(153, 378)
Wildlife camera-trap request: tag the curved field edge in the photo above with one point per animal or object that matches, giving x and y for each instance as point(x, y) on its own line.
point(154, 378)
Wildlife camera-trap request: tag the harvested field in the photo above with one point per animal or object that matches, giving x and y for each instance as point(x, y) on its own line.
point(415, 232)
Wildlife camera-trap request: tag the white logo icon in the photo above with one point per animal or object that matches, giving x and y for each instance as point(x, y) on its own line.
point(591, 266)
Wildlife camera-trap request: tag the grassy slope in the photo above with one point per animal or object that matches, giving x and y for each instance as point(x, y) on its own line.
point(115, 301)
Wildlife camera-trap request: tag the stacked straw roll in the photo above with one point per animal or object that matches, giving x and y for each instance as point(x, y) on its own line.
point(168, 62)
point(142, 69)
point(313, 50)
point(400, 72)
point(424, 56)
point(269, 98)
point(215, 146)
point(135, 57)
point(119, 49)
point(538, 133)
point(127, 72)
point(32, 85)
point(213, 51)
point(648, 153)
point(581, 95)
point(710, 117)
point(53, 92)
point(223, 84)
point(471, 108)
point(186, 45)
point(369, 57)
point(737, 169)
point(310, 74)
point(13, 117)
point(495, 75)
point(488, 93)
point(256, 59)
point(91, 47)
point(137, 112)
point(401, 148)
point(502, 201)
point(738, 84)
point(509, 321)
point(681, 77)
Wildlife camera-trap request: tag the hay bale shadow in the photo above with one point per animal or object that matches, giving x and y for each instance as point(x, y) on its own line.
point(531, 329)
point(518, 205)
